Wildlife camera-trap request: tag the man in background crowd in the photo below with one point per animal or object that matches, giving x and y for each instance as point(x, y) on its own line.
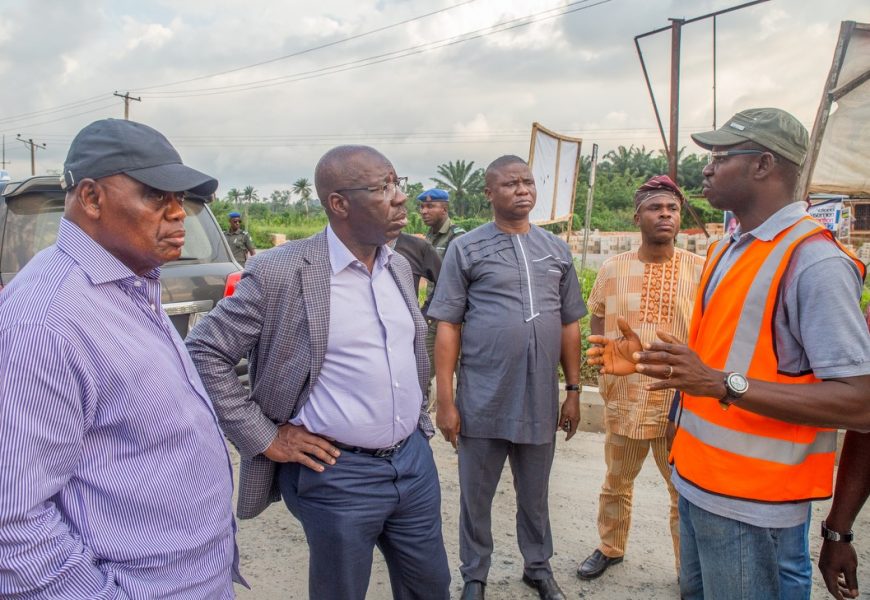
point(434, 210)
point(239, 240)
point(509, 297)
point(838, 560)
point(425, 262)
point(653, 288)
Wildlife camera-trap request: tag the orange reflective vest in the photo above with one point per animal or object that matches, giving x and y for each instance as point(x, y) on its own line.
point(738, 453)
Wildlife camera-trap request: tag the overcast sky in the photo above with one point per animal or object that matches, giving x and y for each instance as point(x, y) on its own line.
point(401, 75)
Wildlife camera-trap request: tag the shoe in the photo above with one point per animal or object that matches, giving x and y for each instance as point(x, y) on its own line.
point(595, 565)
point(473, 590)
point(547, 587)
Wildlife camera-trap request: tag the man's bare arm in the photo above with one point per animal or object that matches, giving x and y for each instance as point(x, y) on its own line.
point(569, 416)
point(838, 561)
point(836, 403)
point(447, 344)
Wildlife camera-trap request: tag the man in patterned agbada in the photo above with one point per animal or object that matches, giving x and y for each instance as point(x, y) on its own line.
point(653, 288)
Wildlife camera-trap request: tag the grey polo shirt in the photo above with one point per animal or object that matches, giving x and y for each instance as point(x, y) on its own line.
point(512, 293)
point(818, 327)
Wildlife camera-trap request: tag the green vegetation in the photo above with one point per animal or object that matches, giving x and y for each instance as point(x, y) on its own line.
point(588, 374)
point(295, 213)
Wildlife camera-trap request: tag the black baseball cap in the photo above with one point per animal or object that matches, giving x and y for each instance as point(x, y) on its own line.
point(113, 146)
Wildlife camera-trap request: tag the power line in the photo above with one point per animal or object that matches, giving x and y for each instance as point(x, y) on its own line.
point(381, 58)
point(308, 50)
point(86, 112)
point(60, 108)
point(271, 140)
point(93, 99)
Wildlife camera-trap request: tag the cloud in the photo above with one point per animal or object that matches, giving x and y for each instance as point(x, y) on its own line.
point(151, 35)
point(578, 73)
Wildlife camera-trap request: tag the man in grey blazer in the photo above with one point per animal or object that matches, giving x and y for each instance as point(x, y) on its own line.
point(335, 420)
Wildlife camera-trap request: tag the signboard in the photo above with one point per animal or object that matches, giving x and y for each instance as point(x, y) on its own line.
point(555, 163)
point(829, 213)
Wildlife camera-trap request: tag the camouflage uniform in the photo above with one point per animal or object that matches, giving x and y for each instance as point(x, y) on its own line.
point(240, 244)
point(440, 239)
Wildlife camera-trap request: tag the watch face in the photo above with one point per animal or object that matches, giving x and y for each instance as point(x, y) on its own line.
point(737, 383)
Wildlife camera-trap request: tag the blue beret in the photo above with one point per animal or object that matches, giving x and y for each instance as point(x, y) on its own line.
point(235, 215)
point(433, 195)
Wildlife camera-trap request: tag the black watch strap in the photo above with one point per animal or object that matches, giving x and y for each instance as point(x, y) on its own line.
point(836, 536)
point(572, 387)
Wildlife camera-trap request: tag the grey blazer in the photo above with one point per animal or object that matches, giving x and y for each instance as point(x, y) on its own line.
point(278, 317)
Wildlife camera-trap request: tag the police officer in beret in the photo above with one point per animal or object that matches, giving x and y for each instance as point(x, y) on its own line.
point(239, 240)
point(432, 205)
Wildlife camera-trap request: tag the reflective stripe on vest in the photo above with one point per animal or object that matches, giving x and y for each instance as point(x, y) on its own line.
point(752, 446)
point(737, 453)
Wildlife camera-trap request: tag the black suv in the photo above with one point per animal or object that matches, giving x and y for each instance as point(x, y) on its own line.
point(30, 213)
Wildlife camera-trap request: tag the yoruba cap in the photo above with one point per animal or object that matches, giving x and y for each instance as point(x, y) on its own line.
point(434, 195)
point(235, 215)
point(772, 128)
point(113, 146)
point(655, 186)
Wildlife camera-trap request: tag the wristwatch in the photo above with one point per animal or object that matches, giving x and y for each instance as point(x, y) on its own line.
point(736, 385)
point(572, 387)
point(836, 536)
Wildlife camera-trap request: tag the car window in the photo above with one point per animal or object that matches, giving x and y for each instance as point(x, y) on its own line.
point(202, 239)
point(32, 221)
point(31, 225)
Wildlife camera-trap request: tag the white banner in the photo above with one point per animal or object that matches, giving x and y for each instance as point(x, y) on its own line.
point(841, 167)
point(555, 163)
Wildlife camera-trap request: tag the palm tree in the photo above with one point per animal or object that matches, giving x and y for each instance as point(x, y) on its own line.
point(250, 194)
point(280, 197)
point(302, 188)
point(233, 195)
point(462, 180)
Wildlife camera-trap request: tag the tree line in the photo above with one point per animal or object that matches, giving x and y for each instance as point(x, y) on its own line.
point(619, 173)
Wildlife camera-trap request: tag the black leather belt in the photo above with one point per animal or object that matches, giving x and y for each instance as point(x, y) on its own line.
point(378, 452)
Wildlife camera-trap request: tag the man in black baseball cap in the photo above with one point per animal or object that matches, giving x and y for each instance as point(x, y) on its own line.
point(124, 455)
point(124, 187)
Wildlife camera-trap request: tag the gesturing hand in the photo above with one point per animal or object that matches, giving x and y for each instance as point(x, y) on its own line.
point(294, 443)
point(677, 366)
point(615, 356)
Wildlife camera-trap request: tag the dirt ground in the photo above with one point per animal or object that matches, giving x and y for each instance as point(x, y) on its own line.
point(274, 555)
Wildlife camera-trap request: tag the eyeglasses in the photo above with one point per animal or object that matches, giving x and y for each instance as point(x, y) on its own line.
point(389, 188)
point(719, 155)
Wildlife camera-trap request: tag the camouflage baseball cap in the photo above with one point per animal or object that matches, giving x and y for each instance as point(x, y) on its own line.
point(775, 129)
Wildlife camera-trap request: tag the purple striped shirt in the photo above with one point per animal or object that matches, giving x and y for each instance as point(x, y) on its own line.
point(115, 481)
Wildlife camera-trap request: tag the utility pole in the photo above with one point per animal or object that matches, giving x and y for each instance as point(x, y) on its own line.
point(127, 97)
point(674, 144)
point(3, 162)
point(33, 146)
point(590, 196)
point(671, 146)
